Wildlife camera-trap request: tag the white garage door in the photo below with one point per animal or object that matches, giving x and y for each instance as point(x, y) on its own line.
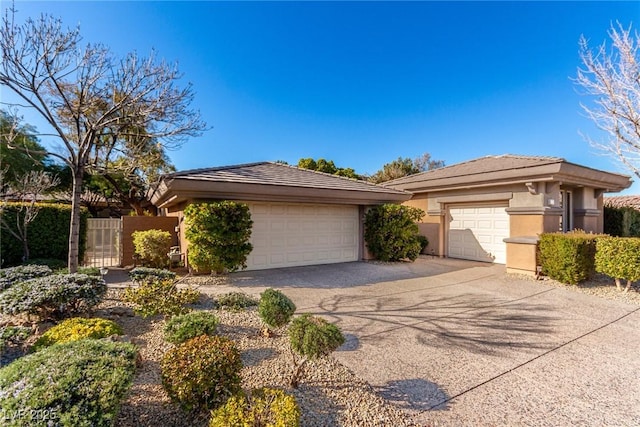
point(477, 233)
point(287, 235)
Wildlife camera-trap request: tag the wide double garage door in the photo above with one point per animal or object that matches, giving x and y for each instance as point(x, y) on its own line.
point(291, 234)
point(478, 233)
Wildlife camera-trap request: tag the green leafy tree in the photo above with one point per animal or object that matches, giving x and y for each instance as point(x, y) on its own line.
point(94, 103)
point(391, 232)
point(218, 235)
point(327, 166)
point(402, 167)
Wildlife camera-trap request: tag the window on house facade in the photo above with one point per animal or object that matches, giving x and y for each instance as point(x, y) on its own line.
point(566, 203)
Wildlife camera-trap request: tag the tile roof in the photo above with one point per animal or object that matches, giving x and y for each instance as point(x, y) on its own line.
point(278, 174)
point(623, 201)
point(480, 166)
point(509, 169)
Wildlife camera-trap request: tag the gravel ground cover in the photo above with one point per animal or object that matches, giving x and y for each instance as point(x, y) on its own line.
point(329, 395)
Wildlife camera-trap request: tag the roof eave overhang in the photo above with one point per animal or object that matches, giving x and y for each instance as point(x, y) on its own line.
point(567, 174)
point(175, 191)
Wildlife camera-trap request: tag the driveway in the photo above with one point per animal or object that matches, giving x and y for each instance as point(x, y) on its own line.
point(459, 343)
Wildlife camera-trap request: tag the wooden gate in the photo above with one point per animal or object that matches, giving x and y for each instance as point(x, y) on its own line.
point(104, 242)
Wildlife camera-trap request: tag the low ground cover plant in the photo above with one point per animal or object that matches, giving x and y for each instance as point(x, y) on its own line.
point(275, 308)
point(9, 276)
point(262, 407)
point(619, 258)
point(202, 373)
point(312, 338)
point(78, 328)
point(58, 295)
point(13, 335)
point(152, 247)
point(236, 301)
point(160, 296)
point(79, 383)
point(184, 327)
point(142, 274)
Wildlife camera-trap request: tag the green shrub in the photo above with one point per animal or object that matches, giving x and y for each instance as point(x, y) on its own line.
point(312, 338)
point(184, 327)
point(218, 235)
point(202, 373)
point(89, 271)
point(391, 232)
point(54, 264)
point(621, 222)
point(12, 335)
point(275, 308)
point(160, 297)
point(236, 301)
point(9, 276)
point(152, 246)
point(424, 242)
point(57, 295)
point(48, 233)
point(79, 384)
point(619, 258)
point(568, 257)
point(78, 328)
point(265, 407)
point(140, 274)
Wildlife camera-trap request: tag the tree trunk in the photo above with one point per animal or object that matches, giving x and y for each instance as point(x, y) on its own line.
point(618, 285)
point(628, 286)
point(74, 227)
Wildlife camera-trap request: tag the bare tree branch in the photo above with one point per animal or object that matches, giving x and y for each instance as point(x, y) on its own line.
point(610, 75)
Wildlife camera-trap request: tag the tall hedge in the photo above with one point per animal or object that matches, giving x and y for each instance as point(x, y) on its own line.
point(568, 257)
point(48, 234)
point(218, 235)
point(621, 222)
point(391, 232)
point(619, 258)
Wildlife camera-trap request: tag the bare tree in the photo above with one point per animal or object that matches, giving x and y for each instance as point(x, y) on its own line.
point(26, 190)
point(612, 76)
point(94, 103)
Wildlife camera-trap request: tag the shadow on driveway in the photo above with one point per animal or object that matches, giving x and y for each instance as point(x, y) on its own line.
point(350, 274)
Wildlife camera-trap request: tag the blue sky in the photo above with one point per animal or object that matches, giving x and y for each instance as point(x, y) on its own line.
point(363, 83)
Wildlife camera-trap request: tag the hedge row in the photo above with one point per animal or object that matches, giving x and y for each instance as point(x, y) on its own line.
point(574, 257)
point(48, 234)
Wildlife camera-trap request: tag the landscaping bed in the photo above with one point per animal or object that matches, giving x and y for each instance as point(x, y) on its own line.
point(328, 395)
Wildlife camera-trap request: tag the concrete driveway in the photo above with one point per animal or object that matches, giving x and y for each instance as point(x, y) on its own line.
point(459, 343)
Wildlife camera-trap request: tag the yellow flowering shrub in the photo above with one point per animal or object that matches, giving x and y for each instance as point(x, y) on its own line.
point(78, 328)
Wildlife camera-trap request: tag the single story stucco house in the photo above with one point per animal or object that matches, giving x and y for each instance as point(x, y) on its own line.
point(489, 209)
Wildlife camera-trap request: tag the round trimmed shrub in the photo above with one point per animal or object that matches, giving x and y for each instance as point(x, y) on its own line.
point(202, 373)
point(78, 328)
point(152, 246)
point(314, 337)
point(275, 308)
point(79, 383)
point(184, 327)
point(21, 273)
point(57, 295)
point(264, 407)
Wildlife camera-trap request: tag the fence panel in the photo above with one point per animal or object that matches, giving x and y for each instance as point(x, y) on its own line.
point(104, 242)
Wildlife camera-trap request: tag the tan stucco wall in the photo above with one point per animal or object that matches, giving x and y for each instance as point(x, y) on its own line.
point(521, 258)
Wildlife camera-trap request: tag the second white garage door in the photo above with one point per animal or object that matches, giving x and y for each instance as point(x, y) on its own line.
point(287, 235)
point(478, 233)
